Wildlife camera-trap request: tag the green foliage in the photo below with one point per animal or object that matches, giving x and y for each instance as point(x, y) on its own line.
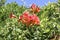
point(49, 27)
point(2, 2)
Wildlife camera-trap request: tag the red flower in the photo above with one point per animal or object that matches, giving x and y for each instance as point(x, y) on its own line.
point(25, 14)
point(35, 8)
point(29, 19)
point(26, 18)
point(12, 15)
point(35, 19)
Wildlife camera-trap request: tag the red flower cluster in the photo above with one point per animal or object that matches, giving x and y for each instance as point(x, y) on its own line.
point(35, 8)
point(12, 15)
point(29, 19)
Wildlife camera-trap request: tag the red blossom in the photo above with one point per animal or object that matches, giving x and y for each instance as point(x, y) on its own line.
point(29, 19)
point(35, 19)
point(35, 8)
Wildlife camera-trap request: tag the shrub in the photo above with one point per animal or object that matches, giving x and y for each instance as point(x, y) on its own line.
point(12, 26)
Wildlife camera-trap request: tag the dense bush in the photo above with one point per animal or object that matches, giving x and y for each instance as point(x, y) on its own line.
point(11, 29)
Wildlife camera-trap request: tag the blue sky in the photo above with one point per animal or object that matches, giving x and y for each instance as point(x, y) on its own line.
point(29, 2)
